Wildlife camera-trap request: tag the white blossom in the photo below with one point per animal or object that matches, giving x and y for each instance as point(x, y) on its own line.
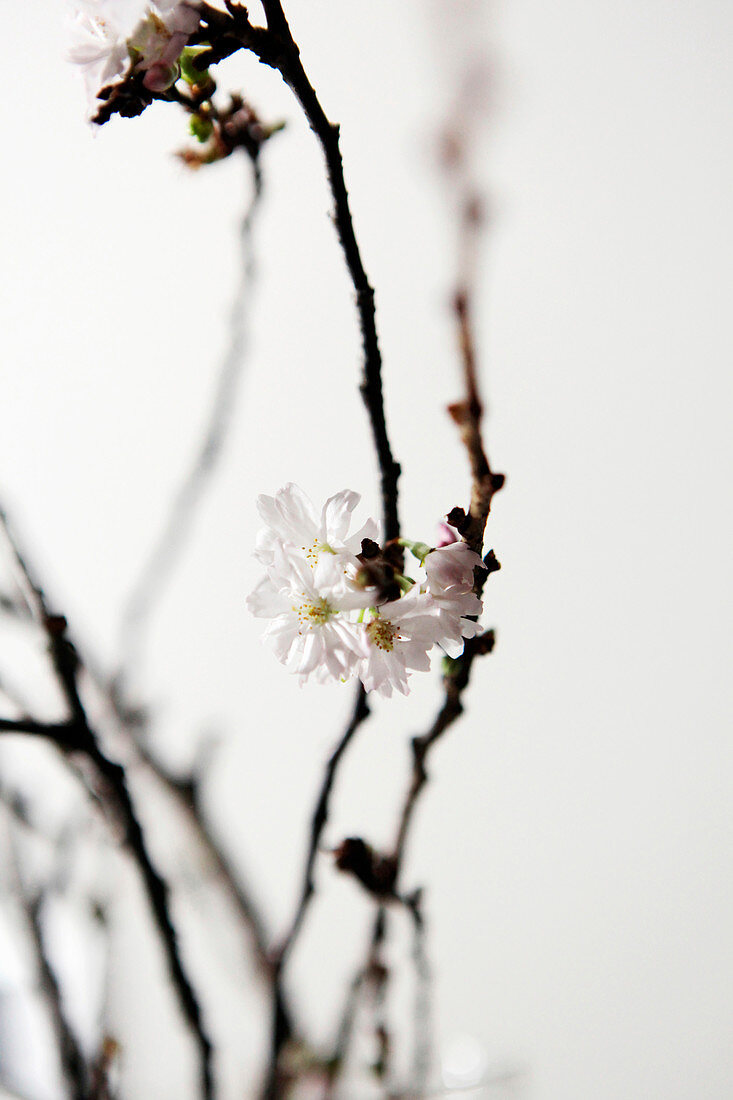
point(112, 38)
point(308, 631)
point(450, 581)
point(398, 637)
point(324, 625)
point(292, 520)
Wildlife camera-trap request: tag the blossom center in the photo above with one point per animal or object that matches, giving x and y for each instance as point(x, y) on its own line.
point(312, 552)
point(314, 613)
point(382, 634)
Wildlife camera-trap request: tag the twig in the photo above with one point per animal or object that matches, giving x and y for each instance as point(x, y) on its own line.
point(485, 482)
point(184, 793)
point(73, 1063)
point(150, 583)
point(318, 823)
point(373, 970)
point(171, 541)
point(275, 47)
point(77, 736)
point(423, 986)
point(71, 1058)
point(280, 1033)
point(467, 415)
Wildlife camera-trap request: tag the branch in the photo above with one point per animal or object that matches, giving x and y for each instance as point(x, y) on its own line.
point(275, 47)
point(320, 818)
point(372, 972)
point(71, 1058)
point(280, 1033)
point(171, 541)
point(77, 736)
point(423, 989)
point(73, 1063)
point(186, 795)
point(467, 415)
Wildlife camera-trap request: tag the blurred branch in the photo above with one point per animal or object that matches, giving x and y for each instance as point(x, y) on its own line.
point(71, 1058)
point(281, 1034)
point(320, 817)
point(374, 973)
point(149, 586)
point(77, 737)
point(423, 997)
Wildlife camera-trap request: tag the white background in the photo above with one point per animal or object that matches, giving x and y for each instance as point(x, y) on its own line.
point(575, 838)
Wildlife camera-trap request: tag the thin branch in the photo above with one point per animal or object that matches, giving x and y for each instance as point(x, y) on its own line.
point(77, 736)
point(319, 820)
point(184, 793)
point(54, 731)
point(73, 1063)
point(281, 1033)
point(467, 414)
point(372, 971)
point(485, 482)
point(160, 564)
point(275, 47)
point(71, 1058)
point(422, 1057)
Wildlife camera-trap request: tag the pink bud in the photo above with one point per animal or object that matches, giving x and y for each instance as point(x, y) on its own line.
point(159, 77)
point(446, 535)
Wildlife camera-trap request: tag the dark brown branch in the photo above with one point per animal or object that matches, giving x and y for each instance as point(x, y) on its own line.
point(455, 682)
point(77, 736)
point(186, 795)
point(275, 46)
point(319, 820)
point(72, 1062)
point(53, 731)
point(281, 1034)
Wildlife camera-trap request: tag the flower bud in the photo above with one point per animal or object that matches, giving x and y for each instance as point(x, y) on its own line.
point(159, 77)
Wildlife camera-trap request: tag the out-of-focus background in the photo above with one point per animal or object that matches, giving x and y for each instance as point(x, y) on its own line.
point(575, 839)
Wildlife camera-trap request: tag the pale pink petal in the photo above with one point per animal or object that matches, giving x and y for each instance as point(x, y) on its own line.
point(336, 516)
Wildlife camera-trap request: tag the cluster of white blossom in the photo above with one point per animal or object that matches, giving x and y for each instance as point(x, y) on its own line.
point(329, 622)
point(113, 38)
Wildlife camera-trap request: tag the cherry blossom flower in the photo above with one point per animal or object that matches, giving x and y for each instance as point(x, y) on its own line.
point(325, 625)
point(398, 637)
point(308, 631)
point(113, 38)
point(450, 581)
point(292, 520)
point(99, 45)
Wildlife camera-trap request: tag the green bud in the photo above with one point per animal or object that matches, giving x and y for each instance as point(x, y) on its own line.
point(189, 72)
point(419, 549)
point(201, 127)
